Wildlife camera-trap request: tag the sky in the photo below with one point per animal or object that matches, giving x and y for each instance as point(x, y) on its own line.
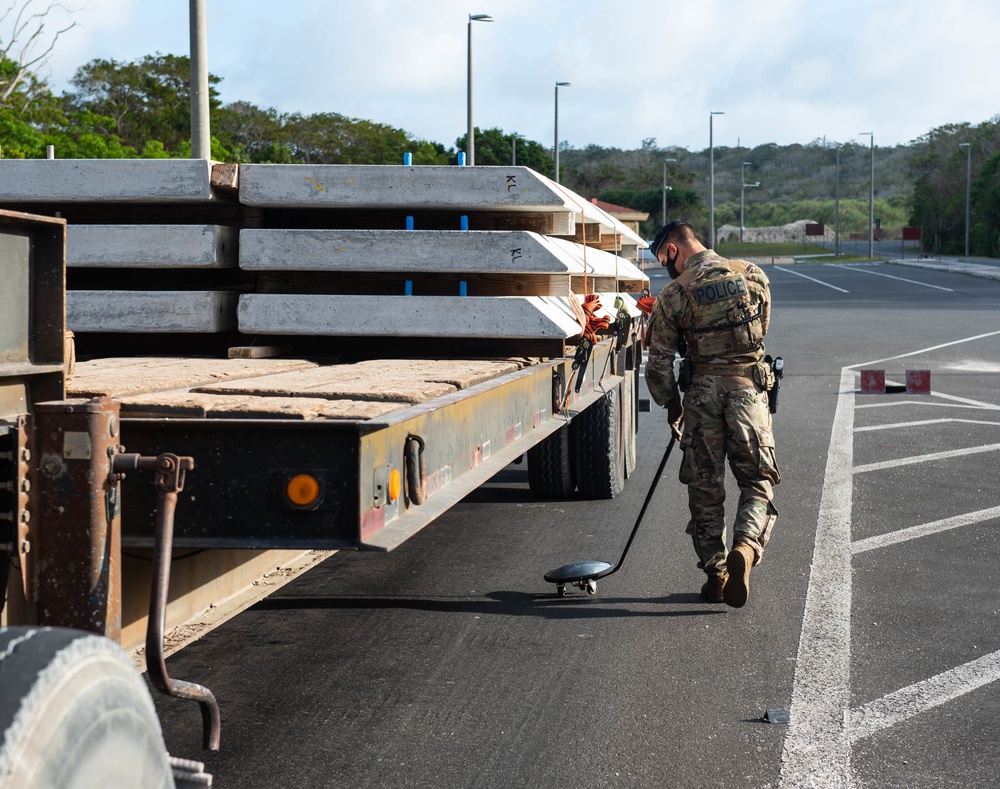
point(781, 71)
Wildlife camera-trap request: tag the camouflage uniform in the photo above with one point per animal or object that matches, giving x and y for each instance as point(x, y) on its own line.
point(719, 311)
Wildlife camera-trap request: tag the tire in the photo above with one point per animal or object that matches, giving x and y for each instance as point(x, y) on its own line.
point(552, 466)
point(76, 714)
point(600, 448)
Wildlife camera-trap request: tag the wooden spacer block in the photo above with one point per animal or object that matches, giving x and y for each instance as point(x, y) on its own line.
point(873, 381)
point(918, 382)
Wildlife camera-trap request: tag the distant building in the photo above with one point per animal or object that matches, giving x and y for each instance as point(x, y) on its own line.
point(627, 216)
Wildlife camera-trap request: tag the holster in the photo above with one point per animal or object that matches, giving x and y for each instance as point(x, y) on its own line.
point(684, 374)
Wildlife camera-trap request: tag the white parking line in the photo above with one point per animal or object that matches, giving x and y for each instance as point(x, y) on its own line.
point(913, 532)
point(924, 350)
point(812, 279)
point(968, 403)
point(817, 750)
point(924, 423)
point(951, 453)
point(901, 279)
point(823, 728)
point(903, 704)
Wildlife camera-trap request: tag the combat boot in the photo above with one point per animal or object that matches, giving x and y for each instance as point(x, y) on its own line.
point(711, 590)
point(738, 562)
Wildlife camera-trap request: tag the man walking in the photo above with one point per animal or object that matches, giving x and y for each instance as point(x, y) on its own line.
point(715, 314)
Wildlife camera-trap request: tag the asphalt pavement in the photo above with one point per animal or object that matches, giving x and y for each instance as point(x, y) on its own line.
point(872, 620)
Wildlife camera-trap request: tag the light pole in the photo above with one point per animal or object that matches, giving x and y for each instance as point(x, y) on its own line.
point(836, 210)
point(665, 188)
point(555, 149)
point(470, 142)
point(968, 188)
point(201, 136)
point(711, 179)
point(871, 199)
point(743, 187)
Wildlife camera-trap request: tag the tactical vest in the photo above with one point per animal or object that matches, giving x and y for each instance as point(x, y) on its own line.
point(727, 310)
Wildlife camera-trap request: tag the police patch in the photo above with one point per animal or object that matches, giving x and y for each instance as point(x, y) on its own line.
point(720, 290)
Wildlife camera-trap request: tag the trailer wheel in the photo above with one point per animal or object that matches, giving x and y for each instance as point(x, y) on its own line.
point(552, 466)
point(76, 714)
point(600, 447)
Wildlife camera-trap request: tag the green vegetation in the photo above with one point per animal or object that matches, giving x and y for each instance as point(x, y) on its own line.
point(141, 109)
point(814, 253)
point(737, 249)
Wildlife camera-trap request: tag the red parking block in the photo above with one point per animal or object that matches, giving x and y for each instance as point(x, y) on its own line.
point(918, 382)
point(873, 381)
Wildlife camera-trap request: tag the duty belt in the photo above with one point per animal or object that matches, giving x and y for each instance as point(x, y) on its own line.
point(742, 370)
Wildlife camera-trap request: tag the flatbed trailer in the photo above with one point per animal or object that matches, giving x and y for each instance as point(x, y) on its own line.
point(121, 457)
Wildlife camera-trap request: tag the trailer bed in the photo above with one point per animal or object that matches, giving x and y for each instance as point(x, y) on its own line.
point(278, 388)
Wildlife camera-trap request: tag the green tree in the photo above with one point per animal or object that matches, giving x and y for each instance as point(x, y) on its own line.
point(682, 203)
point(330, 138)
point(496, 148)
point(252, 134)
point(147, 99)
point(984, 230)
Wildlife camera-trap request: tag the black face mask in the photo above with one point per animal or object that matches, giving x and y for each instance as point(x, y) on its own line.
point(672, 267)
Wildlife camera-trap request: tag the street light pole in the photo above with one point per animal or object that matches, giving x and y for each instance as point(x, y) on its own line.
point(968, 188)
point(743, 187)
point(201, 136)
point(711, 179)
point(555, 148)
point(836, 210)
point(871, 198)
point(470, 142)
point(665, 187)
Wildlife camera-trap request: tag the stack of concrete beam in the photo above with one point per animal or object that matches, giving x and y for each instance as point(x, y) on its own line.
point(151, 245)
point(169, 247)
point(512, 274)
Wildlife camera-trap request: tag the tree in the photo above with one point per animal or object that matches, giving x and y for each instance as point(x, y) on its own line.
point(496, 148)
point(985, 228)
point(330, 138)
point(682, 203)
point(26, 47)
point(147, 99)
point(252, 134)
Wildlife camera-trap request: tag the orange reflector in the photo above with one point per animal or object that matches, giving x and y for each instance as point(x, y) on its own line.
point(395, 485)
point(303, 490)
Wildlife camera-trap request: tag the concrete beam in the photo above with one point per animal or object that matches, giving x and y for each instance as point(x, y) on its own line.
point(442, 251)
point(111, 180)
point(521, 317)
point(162, 311)
point(428, 188)
point(151, 246)
point(602, 264)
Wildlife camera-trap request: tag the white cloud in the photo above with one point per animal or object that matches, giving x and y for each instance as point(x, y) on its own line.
point(782, 70)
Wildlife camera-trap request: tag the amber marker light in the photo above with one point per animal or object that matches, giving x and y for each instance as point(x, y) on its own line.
point(395, 485)
point(303, 490)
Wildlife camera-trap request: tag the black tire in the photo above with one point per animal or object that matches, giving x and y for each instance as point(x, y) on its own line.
point(600, 448)
point(552, 466)
point(76, 714)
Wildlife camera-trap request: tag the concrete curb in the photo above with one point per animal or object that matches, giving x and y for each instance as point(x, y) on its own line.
point(768, 261)
point(970, 269)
